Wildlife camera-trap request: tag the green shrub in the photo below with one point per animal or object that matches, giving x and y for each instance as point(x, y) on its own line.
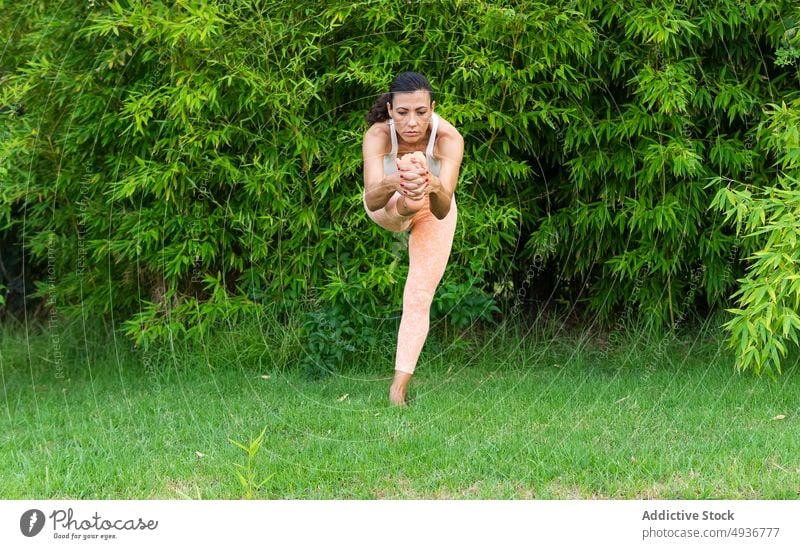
point(768, 218)
point(180, 163)
point(328, 336)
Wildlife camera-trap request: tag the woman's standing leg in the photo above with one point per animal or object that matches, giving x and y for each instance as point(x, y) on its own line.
point(429, 248)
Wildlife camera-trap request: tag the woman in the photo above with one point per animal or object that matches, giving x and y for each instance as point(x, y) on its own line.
point(411, 162)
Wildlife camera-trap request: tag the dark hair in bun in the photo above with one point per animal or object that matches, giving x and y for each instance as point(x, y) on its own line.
point(403, 82)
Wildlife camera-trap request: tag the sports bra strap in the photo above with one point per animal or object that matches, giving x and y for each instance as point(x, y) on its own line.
point(429, 151)
point(394, 136)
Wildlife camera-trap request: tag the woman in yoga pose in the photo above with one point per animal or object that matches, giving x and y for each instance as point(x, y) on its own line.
point(412, 158)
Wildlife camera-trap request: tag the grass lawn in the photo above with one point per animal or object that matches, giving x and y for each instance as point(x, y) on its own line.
point(511, 414)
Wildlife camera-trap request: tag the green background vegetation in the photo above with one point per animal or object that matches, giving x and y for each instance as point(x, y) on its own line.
point(182, 164)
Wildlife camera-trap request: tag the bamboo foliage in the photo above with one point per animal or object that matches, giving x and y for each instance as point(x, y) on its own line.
point(183, 162)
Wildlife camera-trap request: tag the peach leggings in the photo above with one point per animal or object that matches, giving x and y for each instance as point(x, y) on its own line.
point(429, 245)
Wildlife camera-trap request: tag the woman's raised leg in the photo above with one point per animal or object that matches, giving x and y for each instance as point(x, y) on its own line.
point(390, 218)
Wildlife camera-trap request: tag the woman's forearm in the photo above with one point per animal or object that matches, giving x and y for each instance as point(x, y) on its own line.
point(439, 198)
point(379, 194)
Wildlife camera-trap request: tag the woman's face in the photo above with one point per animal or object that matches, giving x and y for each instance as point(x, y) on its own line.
point(411, 113)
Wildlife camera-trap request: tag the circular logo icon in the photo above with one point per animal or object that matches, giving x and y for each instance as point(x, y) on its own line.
point(31, 522)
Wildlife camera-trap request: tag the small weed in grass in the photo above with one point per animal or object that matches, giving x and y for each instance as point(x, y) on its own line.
point(246, 472)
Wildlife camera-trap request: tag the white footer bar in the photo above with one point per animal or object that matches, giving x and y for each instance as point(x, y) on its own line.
point(400, 524)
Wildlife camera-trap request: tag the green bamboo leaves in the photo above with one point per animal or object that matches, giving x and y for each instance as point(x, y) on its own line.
point(174, 157)
point(766, 320)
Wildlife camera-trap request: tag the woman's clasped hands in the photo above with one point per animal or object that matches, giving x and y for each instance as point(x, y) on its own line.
point(414, 175)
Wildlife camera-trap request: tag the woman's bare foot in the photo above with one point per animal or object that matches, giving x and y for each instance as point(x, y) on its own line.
point(407, 206)
point(397, 392)
point(419, 155)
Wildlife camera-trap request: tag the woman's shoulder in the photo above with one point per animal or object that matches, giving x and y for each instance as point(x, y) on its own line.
point(377, 139)
point(447, 130)
point(379, 130)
